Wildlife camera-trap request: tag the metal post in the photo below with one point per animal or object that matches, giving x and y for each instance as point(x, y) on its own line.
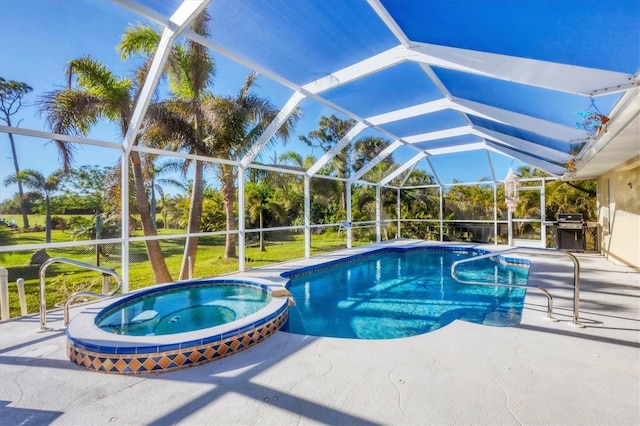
point(307, 217)
point(105, 283)
point(4, 293)
point(124, 217)
point(511, 182)
point(543, 217)
point(398, 234)
point(576, 290)
point(495, 214)
point(378, 213)
point(509, 227)
point(441, 214)
point(349, 230)
point(23, 298)
point(241, 220)
point(98, 227)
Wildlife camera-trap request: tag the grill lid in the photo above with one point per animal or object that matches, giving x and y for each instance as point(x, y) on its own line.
point(570, 225)
point(569, 218)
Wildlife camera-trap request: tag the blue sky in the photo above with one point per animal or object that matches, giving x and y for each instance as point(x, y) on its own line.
point(39, 37)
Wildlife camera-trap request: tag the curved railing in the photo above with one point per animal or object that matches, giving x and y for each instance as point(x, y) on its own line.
point(43, 299)
point(576, 279)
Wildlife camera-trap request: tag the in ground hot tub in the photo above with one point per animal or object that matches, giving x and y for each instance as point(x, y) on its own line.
point(168, 327)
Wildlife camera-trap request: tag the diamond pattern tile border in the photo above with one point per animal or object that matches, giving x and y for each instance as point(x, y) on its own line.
point(174, 360)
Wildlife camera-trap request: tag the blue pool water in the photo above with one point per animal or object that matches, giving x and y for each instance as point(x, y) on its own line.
point(183, 309)
point(402, 293)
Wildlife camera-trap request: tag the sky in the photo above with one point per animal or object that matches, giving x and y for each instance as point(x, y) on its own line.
point(39, 37)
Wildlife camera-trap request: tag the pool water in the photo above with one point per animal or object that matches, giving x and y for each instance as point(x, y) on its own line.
point(400, 294)
point(183, 309)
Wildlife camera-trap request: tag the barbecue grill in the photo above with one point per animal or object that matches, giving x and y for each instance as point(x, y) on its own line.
point(570, 228)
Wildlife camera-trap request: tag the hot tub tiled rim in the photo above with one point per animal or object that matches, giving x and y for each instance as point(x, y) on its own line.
point(170, 360)
point(85, 340)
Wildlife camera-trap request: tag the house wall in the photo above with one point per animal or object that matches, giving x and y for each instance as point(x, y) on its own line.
point(619, 213)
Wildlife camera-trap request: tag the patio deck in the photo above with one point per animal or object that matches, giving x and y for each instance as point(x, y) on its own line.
point(536, 373)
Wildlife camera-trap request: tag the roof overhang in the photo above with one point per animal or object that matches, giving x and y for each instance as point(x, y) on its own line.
point(617, 145)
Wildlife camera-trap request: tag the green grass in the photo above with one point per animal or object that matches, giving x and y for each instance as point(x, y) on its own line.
point(34, 219)
point(63, 280)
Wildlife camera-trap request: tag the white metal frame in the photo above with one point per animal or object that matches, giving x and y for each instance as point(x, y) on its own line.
point(583, 81)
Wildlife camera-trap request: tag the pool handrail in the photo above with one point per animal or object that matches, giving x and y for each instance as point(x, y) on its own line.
point(576, 278)
point(43, 300)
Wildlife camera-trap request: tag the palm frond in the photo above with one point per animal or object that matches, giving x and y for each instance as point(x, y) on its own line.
point(138, 39)
point(167, 123)
point(71, 111)
point(96, 79)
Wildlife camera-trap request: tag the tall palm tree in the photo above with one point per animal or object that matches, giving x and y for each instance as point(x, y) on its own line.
point(235, 123)
point(257, 198)
point(95, 93)
point(190, 70)
point(153, 172)
point(43, 186)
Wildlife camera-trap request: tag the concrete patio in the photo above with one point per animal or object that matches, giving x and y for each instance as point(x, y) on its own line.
point(539, 372)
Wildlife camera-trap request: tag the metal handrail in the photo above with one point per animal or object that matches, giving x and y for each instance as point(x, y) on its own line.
point(576, 278)
point(43, 300)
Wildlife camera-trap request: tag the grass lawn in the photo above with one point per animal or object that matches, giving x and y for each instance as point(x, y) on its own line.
point(34, 219)
point(63, 280)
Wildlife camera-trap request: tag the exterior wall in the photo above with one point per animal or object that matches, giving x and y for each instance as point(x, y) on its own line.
point(619, 213)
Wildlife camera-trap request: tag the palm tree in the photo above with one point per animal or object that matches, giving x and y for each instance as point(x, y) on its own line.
point(43, 186)
point(367, 148)
point(299, 163)
point(164, 206)
point(235, 123)
point(322, 190)
point(190, 71)
point(152, 172)
point(571, 197)
point(100, 94)
point(258, 199)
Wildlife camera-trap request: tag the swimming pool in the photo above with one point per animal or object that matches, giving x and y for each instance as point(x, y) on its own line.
point(392, 293)
point(396, 278)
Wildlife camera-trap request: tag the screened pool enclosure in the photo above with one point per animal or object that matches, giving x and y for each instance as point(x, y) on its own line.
point(293, 127)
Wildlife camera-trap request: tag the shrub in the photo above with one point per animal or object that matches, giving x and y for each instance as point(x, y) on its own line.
point(6, 236)
point(58, 223)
